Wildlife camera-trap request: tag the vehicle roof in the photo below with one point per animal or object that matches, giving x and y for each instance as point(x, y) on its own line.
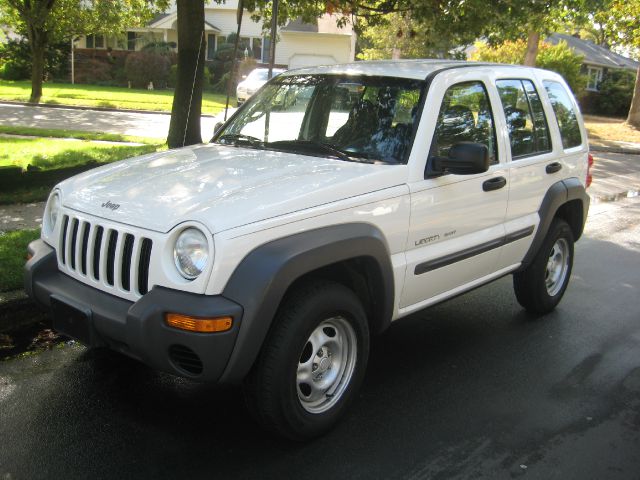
point(416, 69)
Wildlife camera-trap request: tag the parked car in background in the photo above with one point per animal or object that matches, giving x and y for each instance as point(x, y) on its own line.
point(252, 83)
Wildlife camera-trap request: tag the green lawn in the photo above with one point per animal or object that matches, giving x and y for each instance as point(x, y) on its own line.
point(13, 251)
point(112, 97)
point(47, 153)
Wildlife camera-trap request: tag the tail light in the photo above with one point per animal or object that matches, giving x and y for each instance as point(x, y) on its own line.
point(589, 175)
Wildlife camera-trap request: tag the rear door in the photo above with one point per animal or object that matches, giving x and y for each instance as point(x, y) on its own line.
point(456, 229)
point(539, 153)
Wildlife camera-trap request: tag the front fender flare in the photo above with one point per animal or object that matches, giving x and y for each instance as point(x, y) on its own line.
point(262, 278)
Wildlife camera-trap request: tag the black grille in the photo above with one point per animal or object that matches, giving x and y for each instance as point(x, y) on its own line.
point(125, 273)
point(111, 255)
point(143, 266)
point(74, 238)
point(85, 247)
point(96, 253)
point(185, 359)
point(92, 250)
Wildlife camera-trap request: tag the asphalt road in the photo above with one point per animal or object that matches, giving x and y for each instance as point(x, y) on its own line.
point(122, 122)
point(472, 388)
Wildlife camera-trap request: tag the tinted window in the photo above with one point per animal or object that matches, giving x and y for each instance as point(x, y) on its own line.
point(565, 114)
point(465, 116)
point(526, 122)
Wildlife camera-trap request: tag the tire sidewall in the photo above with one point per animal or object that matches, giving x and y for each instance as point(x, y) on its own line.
point(332, 302)
point(559, 229)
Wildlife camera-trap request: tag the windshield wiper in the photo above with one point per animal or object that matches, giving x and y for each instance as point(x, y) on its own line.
point(238, 138)
point(315, 145)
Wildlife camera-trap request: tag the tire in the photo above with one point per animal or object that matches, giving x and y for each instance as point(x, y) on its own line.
point(312, 363)
point(540, 287)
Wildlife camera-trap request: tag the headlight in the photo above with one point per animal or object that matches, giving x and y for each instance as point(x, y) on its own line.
point(52, 211)
point(191, 253)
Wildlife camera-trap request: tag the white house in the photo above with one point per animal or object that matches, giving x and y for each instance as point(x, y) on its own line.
point(299, 44)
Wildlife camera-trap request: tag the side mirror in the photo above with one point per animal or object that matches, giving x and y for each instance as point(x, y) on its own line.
point(465, 158)
point(217, 127)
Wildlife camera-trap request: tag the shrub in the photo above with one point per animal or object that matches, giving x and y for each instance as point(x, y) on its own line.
point(615, 92)
point(173, 76)
point(558, 58)
point(15, 61)
point(147, 66)
point(93, 71)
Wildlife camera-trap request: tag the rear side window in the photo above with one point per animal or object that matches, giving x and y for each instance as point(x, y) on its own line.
point(526, 122)
point(465, 116)
point(565, 114)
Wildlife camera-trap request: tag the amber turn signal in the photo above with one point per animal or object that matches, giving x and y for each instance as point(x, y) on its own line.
point(197, 324)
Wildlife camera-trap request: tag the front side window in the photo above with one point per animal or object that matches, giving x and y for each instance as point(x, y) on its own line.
point(465, 116)
point(526, 122)
point(566, 114)
point(367, 119)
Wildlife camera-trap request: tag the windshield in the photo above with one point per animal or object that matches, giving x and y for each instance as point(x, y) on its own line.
point(368, 119)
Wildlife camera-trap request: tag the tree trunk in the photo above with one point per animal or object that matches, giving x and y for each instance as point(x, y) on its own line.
point(633, 118)
point(38, 44)
point(533, 40)
point(184, 128)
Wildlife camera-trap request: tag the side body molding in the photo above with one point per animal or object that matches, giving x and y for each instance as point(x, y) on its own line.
point(262, 278)
point(558, 195)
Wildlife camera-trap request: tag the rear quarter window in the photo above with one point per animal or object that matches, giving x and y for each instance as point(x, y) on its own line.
point(565, 112)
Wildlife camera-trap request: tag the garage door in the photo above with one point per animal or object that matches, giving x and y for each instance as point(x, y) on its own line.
point(298, 61)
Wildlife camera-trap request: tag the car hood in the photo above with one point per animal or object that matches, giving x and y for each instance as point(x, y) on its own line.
point(219, 186)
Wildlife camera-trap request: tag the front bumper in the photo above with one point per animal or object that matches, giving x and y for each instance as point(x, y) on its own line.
point(137, 329)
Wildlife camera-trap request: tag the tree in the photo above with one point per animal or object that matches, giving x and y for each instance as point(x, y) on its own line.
point(46, 21)
point(184, 128)
point(621, 18)
point(400, 36)
point(559, 58)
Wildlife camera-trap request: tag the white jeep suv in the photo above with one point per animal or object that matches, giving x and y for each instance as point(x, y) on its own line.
point(336, 201)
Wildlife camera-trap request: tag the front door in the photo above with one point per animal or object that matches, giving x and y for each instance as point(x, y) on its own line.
point(457, 221)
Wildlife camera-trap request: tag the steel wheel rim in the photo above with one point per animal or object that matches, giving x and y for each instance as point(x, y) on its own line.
point(326, 365)
point(557, 267)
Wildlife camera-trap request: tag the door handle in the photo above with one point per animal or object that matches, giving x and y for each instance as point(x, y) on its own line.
point(553, 167)
point(494, 184)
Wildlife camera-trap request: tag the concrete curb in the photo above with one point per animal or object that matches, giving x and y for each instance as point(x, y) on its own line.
point(624, 151)
point(97, 109)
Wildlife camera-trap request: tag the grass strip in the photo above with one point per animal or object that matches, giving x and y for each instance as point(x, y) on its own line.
point(13, 251)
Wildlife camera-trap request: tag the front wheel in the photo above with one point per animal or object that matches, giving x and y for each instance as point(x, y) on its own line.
point(540, 287)
point(312, 363)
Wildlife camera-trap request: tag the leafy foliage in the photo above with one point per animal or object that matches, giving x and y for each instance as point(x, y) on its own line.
point(144, 67)
point(400, 34)
point(15, 60)
point(615, 93)
point(558, 58)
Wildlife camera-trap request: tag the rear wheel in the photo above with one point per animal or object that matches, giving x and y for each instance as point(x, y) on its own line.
point(312, 363)
point(540, 287)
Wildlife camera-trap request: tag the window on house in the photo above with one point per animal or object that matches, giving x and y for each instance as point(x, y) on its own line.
point(566, 115)
point(131, 40)
point(594, 77)
point(99, 41)
point(89, 41)
point(527, 125)
point(211, 46)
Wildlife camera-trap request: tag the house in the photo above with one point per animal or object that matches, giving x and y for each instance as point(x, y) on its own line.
point(299, 44)
point(597, 60)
